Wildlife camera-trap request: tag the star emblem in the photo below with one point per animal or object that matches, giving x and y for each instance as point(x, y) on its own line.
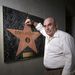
point(26, 38)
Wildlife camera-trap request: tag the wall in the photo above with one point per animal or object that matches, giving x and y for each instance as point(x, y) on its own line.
point(40, 8)
point(73, 26)
point(73, 34)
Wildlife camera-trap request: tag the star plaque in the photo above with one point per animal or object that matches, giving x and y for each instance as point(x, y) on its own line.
point(26, 38)
point(20, 42)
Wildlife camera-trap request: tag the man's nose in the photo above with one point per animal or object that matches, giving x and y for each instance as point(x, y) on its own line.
point(46, 28)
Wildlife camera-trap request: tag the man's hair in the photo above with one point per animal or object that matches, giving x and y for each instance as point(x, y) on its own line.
point(51, 17)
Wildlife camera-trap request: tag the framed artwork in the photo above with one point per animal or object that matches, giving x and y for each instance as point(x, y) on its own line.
point(20, 42)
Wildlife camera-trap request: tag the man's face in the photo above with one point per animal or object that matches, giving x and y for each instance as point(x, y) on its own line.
point(49, 26)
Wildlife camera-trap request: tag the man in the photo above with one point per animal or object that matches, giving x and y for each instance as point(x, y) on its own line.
point(58, 47)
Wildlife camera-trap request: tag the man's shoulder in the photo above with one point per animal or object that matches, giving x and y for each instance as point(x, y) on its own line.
point(64, 34)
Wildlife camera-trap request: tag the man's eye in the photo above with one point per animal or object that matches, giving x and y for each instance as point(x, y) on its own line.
point(44, 25)
point(50, 24)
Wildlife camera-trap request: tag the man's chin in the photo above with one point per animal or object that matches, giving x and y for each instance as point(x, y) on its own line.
point(50, 34)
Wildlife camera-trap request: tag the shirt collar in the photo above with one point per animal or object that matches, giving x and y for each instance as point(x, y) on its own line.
point(56, 34)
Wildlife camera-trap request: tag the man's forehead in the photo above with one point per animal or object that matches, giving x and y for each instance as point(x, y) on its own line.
point(48, 20)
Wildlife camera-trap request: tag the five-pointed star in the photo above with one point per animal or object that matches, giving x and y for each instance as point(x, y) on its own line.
point(26, 37)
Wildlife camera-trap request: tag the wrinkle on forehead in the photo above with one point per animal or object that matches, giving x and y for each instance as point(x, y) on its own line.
point(49, 20)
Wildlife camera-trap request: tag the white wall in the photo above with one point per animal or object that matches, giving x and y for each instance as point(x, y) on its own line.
point(40, 8)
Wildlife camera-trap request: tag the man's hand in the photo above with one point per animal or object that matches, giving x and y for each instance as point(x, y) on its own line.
point(28, 22)
point(35, 24)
